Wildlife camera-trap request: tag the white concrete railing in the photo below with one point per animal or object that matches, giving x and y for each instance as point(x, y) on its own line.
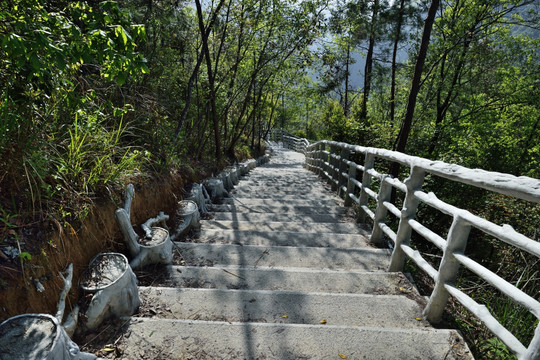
point(295, 143)
point(289, 141)
point(331, 160)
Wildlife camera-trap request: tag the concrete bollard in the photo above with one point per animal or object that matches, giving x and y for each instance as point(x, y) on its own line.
point(37, 336)
point(215, 188)
point(196, 194)
point(189, 213)
point(113, 284)
point(154, 248)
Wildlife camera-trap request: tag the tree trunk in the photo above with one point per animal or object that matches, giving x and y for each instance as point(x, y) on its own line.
point(346, 104)
point(205, 33)
point(213, 110)
point(415, 86)
point(394, 62)
point(369, 61)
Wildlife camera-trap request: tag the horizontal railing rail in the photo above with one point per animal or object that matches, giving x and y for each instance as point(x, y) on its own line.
point(290, 141)
point(331, 160)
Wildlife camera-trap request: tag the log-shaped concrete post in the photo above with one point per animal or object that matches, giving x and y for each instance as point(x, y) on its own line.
point(114, 287)
point(320, 159)
point(130, 236)
point(231, 170)
point(343, 161)
point(156, 247)
point(188, 212)
point(334, 167)
point(448, 269)
point(385, 193)
point(350, 184)
point(225, 177)
point(37, 336)
point(533, 351)
point(197, 195)
point(71, 320)
point(215, 188)
point(366, 181)
point(410, 204)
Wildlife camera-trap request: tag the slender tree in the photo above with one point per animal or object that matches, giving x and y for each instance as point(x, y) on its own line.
point(405, 129)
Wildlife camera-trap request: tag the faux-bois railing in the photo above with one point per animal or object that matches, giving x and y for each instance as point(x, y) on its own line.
point(331, 161)
point(289, 141)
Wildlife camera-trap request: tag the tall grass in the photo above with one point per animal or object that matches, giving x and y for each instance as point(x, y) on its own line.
point(518, 320)
point(91, 158)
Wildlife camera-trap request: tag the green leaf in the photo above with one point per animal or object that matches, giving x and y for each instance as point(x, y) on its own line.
point(25, 256)
point(121, 79)
point(121, 33)
point(36, 63)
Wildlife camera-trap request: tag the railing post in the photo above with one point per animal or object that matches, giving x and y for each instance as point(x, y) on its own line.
point(329, 165)
point(410, 204)
point(385, 193)
point(448, 270)
point(366, 181)
point(533, 351)
point(335, 167)
point(344, 157)
point(350, 184)
point(318, 161)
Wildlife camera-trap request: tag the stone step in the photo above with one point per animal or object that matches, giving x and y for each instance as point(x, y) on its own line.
point(310, 181)
point(257, 185)
point(282, 196)
point(288, 279)
point(367, 259)
point(338, 228)
point(280, 217)
point(280, 208)
point(272, 202)
point(186, 339)
point(285, 307)
point(280, 177)
point(251, 185)
point(282, 238)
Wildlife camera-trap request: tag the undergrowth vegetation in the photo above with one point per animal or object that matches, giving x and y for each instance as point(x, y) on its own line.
point(94, 94)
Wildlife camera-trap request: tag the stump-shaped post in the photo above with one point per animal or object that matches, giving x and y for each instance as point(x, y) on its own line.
point(366, 181)
point(448, 269)
point(410, 204)
point(343, 163)
point(38, 336)
point(385, 193)
point(114, 287)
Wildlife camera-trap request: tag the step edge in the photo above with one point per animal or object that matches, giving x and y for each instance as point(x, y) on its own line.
point(278, 292)
point(354, 249)
point(285, 269)
point(424, 330)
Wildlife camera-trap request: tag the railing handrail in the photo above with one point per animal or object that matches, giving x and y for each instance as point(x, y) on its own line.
point(523, 187)
point(331, 160)
point(290, 141)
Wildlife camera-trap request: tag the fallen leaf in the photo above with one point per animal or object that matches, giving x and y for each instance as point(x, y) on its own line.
point(108, 349)
point(342, 356)
point(284, 316)
point(419, 319)
point(323, 321)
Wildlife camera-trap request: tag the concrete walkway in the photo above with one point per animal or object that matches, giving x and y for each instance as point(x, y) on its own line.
point(283, 272)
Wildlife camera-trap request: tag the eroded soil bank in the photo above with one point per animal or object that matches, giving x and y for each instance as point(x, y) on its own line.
point(97, 233)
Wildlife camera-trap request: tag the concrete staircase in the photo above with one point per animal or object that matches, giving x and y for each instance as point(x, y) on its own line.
point(283, 272)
